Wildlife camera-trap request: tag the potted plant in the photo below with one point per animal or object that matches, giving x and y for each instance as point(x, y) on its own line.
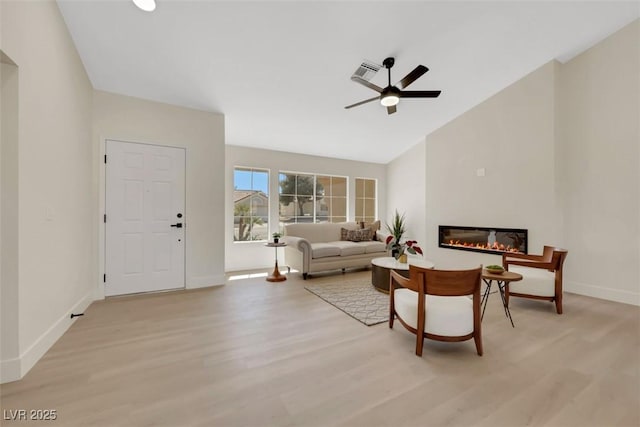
point(396, 229)
point(394, 242)
point(276, 237)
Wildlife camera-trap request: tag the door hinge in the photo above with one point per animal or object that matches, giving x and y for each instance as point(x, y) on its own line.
point(104, 278)
point(105, 218)
point(105, 158)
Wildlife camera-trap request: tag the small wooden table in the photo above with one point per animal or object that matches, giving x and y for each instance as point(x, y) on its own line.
point(502, 280)
point(380, 270)
point(276, 276)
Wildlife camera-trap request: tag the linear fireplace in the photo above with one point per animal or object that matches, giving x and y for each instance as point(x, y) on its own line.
point(492, 240)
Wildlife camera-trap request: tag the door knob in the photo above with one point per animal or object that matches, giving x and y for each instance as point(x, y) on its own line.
point(178, 225)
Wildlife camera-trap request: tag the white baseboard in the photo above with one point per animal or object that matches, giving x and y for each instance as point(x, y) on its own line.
point(31, 355)
point(266, 267)
point(254, 268)
point(205, 281)
point(625, 297)
point(9, 370)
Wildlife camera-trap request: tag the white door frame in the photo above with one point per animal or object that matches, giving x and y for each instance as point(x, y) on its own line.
point(102, 209)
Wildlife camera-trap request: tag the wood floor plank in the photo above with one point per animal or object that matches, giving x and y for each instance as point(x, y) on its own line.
point(253, 353)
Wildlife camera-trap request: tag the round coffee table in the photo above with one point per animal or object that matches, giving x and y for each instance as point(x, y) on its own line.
point(380, 270)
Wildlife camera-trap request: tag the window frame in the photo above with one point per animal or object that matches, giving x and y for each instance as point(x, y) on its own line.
point(253, 169)
point(314, 215)
point(362, 215)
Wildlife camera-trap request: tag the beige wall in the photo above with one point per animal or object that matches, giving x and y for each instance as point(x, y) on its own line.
point(202, 135)
point(55, 202)
point(250, 255)
point(560, 149)
point(406, 179)
point(599, 141)
point(511, 137)
point(9, 262)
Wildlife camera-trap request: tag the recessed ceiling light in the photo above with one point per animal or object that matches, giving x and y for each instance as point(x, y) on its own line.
point(146, 5)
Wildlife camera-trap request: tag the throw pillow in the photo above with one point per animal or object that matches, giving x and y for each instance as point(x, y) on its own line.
point(343, 233)
point(374, 226)
point(361, 235)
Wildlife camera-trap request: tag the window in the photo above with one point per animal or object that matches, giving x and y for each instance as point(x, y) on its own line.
point(312, 198)
point(332, 206)
point(365, 199)
point(250, 204)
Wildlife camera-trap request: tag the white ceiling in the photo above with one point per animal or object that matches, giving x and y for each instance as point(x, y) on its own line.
point(279, 71)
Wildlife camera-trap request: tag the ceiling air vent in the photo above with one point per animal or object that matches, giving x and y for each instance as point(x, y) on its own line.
point(367, 70)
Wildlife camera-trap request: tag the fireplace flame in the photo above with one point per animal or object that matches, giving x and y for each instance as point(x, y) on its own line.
point(499, 247)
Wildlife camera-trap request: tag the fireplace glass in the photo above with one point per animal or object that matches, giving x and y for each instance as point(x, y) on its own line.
point(493, 240)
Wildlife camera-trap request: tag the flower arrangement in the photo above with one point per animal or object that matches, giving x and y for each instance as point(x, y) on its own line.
point(410, 246)
point(394, 242)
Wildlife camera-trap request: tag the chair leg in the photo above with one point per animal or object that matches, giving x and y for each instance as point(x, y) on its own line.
point(304, 276)
point(478, 340)
point(392, 306)
point(559, 304)
point(419, 344)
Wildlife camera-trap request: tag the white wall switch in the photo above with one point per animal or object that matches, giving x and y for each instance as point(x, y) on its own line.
point(480, 172)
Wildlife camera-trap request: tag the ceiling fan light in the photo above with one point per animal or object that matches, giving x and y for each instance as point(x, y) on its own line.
point(389, 100)
point(146, 5)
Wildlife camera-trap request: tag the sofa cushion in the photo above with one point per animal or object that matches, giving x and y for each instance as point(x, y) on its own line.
point(323, 250)
point(360, 235)
point(373, 246)
point(348, 248)
point(319, 232)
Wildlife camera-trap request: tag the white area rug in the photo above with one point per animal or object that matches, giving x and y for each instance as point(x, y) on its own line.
point(358, 298)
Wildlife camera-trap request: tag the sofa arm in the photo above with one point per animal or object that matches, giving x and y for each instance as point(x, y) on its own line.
point(382, 236)
point(300, 243)
point(302, 259)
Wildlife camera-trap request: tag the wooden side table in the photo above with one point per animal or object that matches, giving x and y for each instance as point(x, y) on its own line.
point(276, 276)
point(502, 280)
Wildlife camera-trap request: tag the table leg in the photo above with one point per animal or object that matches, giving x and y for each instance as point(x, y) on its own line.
point(507, 313)
point(485, 296)
point(276, 276)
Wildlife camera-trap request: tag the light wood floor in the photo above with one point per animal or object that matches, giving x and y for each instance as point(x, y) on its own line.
point(254, 353)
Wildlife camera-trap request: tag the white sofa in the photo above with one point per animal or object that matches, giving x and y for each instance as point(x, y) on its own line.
point(317, 247)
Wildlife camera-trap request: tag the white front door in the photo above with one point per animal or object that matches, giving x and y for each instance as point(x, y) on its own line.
point(145, 218)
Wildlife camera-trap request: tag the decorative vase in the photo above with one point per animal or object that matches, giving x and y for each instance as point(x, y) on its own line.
point(276, 240)
point(402, 259)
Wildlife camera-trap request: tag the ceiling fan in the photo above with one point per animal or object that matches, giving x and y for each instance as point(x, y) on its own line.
point(390, 95)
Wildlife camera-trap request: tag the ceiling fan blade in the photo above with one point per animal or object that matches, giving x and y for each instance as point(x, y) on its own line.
point(362, 102)
point(366, 83)
point(412, 76)
point(391, 109)
point(420, 93)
